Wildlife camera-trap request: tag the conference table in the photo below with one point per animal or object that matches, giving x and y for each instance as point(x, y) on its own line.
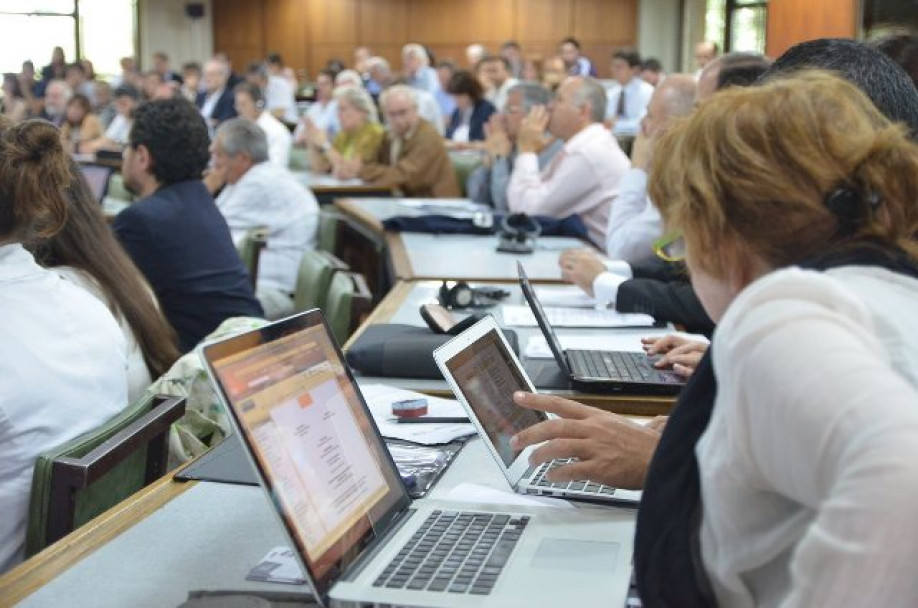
point(327, 187)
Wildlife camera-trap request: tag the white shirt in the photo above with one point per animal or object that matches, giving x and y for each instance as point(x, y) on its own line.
point(583, 178)
point(138, 373)
point(637, 96)
point(63, 372)
point(267, 195)
point(634, 223)
point(498, 96)
point(324, 116)
point(808, 468)
point(279, 139)
point(429, 110)
point(119, 129)
point(210, 103)
point(279, 94)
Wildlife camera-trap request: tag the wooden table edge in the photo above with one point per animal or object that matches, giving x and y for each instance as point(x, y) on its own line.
point(26, 578)
point(352, 208)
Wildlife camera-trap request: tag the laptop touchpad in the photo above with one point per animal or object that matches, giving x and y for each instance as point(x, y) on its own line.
point(575, 555)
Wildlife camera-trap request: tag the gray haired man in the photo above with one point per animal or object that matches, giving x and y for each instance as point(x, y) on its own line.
point(259, 193)
point(488, 183)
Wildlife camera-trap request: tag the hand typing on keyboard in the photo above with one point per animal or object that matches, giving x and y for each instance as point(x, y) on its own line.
point(678, 353)
point(608, 448)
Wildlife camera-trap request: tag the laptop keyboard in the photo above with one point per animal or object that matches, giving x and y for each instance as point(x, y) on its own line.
point(621, 366)
point(588, 487)
point(455, 552)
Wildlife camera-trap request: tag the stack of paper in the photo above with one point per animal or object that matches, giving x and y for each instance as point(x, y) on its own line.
point(575, 317)
point(380, 399)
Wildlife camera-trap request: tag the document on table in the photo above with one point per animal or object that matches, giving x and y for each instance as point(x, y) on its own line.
point(537, 347)
point(566, 297)
point(380, 398)
point(475, 493)
point(521, 316)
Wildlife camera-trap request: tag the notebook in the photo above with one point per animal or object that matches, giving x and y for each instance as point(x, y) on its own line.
point(484, 373)
point(359, 538)
point(598, 371)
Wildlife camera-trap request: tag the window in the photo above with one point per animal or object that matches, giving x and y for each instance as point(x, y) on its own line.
point(738, 25)
point(102, 31)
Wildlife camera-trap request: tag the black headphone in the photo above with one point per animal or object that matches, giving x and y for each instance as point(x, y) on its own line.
point(461, 295)
point(517, 233)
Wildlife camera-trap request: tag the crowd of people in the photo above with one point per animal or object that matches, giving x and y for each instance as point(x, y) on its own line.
point(769, 205)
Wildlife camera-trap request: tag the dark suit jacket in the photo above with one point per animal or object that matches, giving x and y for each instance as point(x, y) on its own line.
point(181, 243)
point(662, 290)
point(480, 115)
point(225, 108)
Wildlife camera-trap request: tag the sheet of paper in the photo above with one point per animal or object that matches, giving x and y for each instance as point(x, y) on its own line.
point(380, 398)
point(565, 297)
point(278, 566)
point(537, 348)
point(521, 316)
point(474, 493)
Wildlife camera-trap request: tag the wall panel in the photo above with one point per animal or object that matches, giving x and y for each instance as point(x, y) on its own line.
point(791, 21)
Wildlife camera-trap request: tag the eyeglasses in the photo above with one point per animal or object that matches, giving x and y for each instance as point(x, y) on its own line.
point(670, 247)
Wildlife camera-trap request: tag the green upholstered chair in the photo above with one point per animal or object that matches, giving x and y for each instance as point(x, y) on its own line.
point(250, 248)
point(327, 234)
point(93, 472)
point(347, 303)
point(463, 165)
point(313, 279)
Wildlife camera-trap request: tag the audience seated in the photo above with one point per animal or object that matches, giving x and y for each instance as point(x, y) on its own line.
point(57, 94)
point(15, 107)
point(488, 182)
point(84, 251)
point(277, 93)
point(575, 64)
point(276, 67)
point(57, 69)
point(62, 357)
point(216, 101)
point(174, 232)
point(75, 77)
point(116, 135)
point(417, 70)
point(445, 71)
point(512, 52)
point(473, 55)
point(359, 138)
point(496, 70)
point(629, 96)
point(80, 125)
point(705, 53)
point(553, 73)
point(161, 67)
point(584, 176)
point(412, 158)
point(652, 71)
point(323, 112)
point(251, 106)
point(259, 193)
point(472, 109)
point(104, 107)
point(191, 81)
point(348, 78)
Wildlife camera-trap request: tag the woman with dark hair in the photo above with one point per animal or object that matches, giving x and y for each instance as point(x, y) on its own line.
point(62, 356)
point(15, 106)
point(80, 124)
point(84, 251)
point(58, 66)
point(472, 109)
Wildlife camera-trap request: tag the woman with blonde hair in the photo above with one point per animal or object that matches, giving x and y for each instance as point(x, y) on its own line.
point(357, 141)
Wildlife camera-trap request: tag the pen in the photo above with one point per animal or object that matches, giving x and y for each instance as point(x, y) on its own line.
point(433, 419)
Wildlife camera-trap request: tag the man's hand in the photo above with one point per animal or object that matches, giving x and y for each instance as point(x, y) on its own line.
point(679, 353)
point(610, 449)
point(214, 179)
point(496, 141)
point(347, 169)
point(581, 267)
point(531, 137)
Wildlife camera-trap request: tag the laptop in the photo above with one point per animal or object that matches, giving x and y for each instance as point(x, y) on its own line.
point(360, 539)
point(97, 178)
point(598, 371)
point(484, 373)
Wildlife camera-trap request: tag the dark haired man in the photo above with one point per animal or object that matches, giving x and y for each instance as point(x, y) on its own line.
point(174, 232)
point(627, 99)
point(575, 63)
point(496, 70)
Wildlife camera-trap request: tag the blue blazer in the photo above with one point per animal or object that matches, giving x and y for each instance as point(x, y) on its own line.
point(480, 115)
point(225, 108)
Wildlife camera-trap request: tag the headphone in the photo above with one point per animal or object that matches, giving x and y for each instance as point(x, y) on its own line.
point(517, 233)
point(460, 294)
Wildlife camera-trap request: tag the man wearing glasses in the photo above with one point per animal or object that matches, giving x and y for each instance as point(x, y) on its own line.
point(488, 183)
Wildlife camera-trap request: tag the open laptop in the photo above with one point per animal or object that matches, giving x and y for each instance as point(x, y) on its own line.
point(602, 370)
point(360, 539)
point(97, 178)
point(484, 373)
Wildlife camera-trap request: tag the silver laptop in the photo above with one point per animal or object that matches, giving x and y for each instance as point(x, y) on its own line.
point(358, 536)
point(483, 372)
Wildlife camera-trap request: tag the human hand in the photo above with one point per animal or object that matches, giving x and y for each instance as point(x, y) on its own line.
point(609, 449)
point(346, 169)
point(214, 178)
point(496, 141)
point(314, 135)
point(682, 354)
point(581, 267)
point(531, 137)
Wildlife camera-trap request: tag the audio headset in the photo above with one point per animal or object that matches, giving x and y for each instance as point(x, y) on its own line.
point(517, 233)
point(457, 295)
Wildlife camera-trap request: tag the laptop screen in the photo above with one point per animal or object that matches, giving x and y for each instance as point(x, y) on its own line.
point(310, 433)
point(97, 178)
point(542, 319)
point(487, 376)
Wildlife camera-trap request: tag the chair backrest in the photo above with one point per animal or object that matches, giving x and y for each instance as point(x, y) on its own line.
point(250, 248)
point(463, 165)
point(348, 302)
point(313, 278)
point(328, 230)
point(91, 473)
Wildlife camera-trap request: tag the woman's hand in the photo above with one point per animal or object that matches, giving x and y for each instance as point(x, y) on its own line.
point(681, 354)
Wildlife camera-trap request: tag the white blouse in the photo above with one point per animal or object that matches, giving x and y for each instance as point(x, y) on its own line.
point(809, 467)
point(62, 373)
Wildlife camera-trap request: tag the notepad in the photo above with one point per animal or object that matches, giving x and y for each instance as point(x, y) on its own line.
point(521, 316)
point(380, 398)
point(565, 296)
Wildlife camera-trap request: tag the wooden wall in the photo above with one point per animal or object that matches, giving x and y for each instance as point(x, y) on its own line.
point(793, 21)
point(308, 32)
